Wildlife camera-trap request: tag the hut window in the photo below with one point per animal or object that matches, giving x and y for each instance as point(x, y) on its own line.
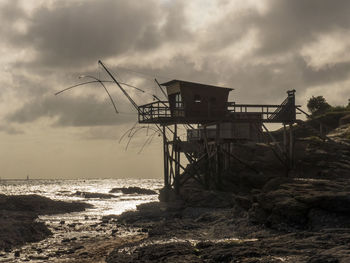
point(178, 101)
point(197, 98)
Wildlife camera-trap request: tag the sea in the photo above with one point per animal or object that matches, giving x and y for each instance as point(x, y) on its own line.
point(76, 225)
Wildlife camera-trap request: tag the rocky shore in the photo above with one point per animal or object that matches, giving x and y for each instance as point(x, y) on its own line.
point(259, 214)
point(18, 215)
point(256, 217)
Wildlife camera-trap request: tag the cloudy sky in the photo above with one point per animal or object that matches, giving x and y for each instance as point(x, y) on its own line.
point(261, 48)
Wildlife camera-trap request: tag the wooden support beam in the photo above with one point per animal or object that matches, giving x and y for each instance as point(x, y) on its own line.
point(165, 160)
point(285, 143)
point(291, 146)
point(273, 139)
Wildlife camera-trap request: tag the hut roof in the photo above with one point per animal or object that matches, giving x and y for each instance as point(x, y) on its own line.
point(188, 83)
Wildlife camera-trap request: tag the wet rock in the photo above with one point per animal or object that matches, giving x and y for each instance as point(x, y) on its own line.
point(344, 120)
point(94, 195)
point(39, 204)
point(105, 220)
point(133, 190)
point(84, 254)
point(171, 252)
point(17, 228)
point(323, 259)
point(31, 257)
point(199, 197)
point(17, 254)
point(78, 247)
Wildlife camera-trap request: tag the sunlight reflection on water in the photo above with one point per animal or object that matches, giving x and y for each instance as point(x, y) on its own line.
point(64, 190)
point(77, 224)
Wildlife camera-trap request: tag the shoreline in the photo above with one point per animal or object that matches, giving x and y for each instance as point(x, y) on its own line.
point(238, 234)
point(298, 226)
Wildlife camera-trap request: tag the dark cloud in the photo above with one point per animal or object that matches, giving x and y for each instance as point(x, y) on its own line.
point(80, 33)
point(70, 37)
point(285, 27)
point(288, 25)
point(327, 75)
point(10, 13)
point(10, 129)
point(71, 111)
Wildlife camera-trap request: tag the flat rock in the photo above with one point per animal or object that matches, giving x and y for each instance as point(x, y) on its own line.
point(133, 190)
point(94, 195)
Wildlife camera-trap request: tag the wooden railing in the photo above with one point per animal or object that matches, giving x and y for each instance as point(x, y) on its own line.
point(160, 111)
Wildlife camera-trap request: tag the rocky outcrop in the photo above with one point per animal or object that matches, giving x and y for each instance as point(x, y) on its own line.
point(257, 213)
point(194, 234)
point(345, 120)
point(18, 216)
point(133, 190)
point(306, 204)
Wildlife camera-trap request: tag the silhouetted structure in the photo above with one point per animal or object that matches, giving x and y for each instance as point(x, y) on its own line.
point(213, 126)
point(220, 123)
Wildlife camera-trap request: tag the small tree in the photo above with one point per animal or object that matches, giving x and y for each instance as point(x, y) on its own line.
point(318, 105)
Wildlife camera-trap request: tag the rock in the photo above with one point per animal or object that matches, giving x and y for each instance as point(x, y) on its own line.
point(17, 228)
point(323, 259)
point(31, 257)
point(205, 198)
point(17, 253)
point(84, 254)
point(133, 190)
point(39, 204)
point(344, 120)
point(167, 194)
point(171, 252)
point(78, 247)
point(93, 195)
point(105, 220)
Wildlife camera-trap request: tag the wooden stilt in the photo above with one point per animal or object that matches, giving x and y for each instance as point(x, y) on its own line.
point(177, 161)
point(285, 143)
point(291, 146)
point(165, 156)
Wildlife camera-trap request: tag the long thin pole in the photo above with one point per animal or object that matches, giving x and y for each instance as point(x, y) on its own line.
point(121, 88)
point(160, 87)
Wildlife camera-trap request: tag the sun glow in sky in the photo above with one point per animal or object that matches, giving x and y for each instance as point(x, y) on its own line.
point(260, 48)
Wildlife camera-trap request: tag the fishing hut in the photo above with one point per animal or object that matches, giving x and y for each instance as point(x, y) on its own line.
point(214, 128)
point(213, 125)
